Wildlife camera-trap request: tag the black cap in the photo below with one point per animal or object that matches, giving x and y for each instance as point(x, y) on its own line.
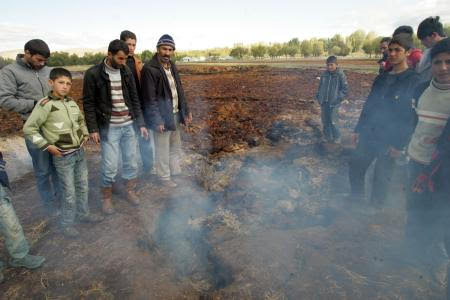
point(37, 46)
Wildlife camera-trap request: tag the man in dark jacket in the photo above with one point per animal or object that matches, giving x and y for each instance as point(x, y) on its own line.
point(22, 85)
point(165, 108)
point(113, 113)
point(385, 124)
point(333, 88)
point(135, 65)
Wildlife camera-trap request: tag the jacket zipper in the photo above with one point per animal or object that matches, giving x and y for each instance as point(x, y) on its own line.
point(68, 114)
point(42, 87)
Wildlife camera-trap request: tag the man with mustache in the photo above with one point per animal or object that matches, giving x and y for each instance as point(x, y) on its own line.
point(22, 85)
point(113, 113)
point(165, 108)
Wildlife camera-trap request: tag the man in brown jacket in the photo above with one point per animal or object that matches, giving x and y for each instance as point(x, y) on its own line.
point(135, 65)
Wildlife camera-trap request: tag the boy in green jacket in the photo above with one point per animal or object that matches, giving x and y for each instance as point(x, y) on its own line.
point(57, 125)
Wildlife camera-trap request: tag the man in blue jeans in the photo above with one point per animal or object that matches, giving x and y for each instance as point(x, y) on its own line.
point(113, 114)
point(22, 85)
point(11, 229)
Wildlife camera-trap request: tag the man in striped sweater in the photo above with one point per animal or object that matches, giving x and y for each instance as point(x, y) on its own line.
point(113, 113)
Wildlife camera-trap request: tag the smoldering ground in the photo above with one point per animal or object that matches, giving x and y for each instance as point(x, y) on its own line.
point(259, 214)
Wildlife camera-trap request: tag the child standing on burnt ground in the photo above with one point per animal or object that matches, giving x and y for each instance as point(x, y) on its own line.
point(57, 125)
point(333, 88)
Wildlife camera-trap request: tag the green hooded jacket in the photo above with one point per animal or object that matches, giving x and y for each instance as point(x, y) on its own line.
point(58, 122)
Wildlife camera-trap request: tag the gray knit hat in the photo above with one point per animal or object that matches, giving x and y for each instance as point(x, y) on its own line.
point(166, 40)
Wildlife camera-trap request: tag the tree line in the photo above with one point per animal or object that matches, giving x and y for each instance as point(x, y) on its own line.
point(357, 42)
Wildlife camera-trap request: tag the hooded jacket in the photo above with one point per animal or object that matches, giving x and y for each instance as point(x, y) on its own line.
point(157, 96)
point(21, 86)
point(97, 103)
point(387, 118)
point(333, 87)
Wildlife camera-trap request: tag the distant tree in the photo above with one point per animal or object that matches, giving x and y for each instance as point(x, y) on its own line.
point(447, 29)
point(146, 56)
point(5, 61)
point(274, 50)
point(239, 52)
point(284, 51)
point(336, 40)
point(318, 48)
point(306, 48)
point(258, 51)
point(356, 40)
point(292, 50)
point(345, 50)
point(368, 47)
point(336, 50)
point(295, 42)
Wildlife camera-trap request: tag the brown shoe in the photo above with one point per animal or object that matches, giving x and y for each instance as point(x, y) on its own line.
point(131, 191)
point(107, 207)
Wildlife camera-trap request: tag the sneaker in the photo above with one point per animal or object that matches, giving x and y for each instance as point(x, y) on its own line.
point(28, 261)
point(168, 183)
point(91, 218)
point(70, 232)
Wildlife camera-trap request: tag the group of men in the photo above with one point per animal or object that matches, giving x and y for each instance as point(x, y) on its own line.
point(128, 105)
point(125, 103)
point(405, 119)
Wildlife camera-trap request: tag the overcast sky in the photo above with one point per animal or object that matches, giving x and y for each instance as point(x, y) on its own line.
point(203, 24)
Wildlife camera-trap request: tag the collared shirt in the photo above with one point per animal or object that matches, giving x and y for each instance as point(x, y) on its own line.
point(173, 89)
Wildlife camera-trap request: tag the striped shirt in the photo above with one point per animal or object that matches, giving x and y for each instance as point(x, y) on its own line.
point(433, 112)
point(120, 115)
point(173, 89)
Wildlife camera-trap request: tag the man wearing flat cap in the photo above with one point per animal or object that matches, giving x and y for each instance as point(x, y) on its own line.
point(22, 85)
point(165, 109)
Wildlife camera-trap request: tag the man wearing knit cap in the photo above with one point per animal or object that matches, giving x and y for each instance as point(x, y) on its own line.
point(22, 85)
point(165, 108)
point(385, 124)
point(429, 166)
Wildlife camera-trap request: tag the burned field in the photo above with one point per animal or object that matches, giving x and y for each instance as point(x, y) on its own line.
point(259, 213)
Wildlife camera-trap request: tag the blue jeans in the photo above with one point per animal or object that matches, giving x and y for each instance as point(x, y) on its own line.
point(146, 150)
point(44, 169)
point(119, 139)
point(73, 177)
point(10, 227)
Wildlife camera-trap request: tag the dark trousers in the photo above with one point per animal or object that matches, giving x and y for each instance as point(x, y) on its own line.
point(330, 121)
point(428, 221)
point(364, 154)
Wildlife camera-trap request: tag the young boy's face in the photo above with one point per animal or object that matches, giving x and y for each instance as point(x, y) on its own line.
point(397, 54)
point(440, 67)
point(331, 67)
point(61, 86)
